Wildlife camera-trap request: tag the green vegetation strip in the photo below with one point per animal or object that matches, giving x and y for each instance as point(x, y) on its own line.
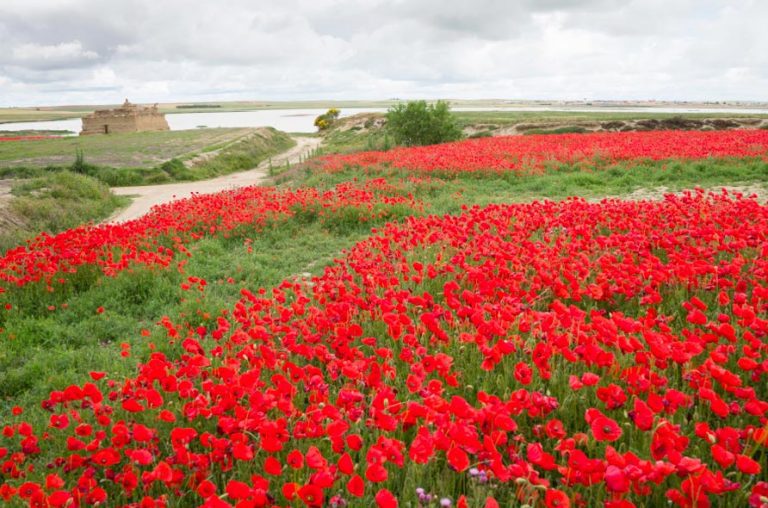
point(159, 156)
point(509, 117)
point(449, 191)
point(135, 149)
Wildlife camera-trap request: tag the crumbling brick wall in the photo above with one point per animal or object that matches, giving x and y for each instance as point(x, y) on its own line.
point(128, 118)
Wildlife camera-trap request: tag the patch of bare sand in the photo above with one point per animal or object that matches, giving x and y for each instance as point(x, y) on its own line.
point(657, 193)
point(8, 219)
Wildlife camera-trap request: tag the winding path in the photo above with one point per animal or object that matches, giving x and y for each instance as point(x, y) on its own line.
point(147, 196)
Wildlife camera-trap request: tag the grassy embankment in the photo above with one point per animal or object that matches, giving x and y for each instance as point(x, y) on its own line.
point(145, 157)
point(53, 203)
point(140, 149)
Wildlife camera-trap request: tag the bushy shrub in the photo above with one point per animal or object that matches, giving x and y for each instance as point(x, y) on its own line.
point(419, 123)
point(327, 119)
point(80, 166)
point(176, 170)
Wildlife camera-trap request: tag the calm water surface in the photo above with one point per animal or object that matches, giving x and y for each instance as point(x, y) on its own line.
point(302, 120)
point(289, 120)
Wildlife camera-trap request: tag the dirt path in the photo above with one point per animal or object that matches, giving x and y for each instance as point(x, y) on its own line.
point(658, 193)
point(147, 196)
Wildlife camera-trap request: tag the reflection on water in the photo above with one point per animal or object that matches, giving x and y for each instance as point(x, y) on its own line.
point(73, 125)
point(302, 120)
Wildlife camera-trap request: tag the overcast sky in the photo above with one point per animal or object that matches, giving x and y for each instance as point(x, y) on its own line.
point(102, 51)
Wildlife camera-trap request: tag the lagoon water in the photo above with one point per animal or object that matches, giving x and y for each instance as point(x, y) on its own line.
point(289, 120)
point(302, 120)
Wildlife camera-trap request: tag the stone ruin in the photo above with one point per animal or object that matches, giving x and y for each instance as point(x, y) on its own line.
point(127, 118)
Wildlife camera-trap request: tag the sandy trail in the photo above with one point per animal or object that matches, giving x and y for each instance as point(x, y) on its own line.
point(147, 196)
point(657, 193)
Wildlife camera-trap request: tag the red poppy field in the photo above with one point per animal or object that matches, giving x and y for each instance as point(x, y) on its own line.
point(541, 354)
point(159, 238)
point(25, 138)
point(518, 153)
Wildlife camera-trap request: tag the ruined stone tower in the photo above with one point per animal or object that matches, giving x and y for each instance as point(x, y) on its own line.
point(127, 118)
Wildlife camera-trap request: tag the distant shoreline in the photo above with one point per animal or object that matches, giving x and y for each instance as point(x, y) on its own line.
point(17, 115)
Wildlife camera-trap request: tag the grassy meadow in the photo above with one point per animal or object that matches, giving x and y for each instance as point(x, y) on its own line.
point(144, 157)
point(53, 203)
point(128, 150)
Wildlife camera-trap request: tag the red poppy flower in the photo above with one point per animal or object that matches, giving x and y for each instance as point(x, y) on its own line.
point(616, 480)
point(295, 459)
point(556, 499)
point(345, 464)
point(605, 429)
point(458, 458)
point(53, 482)
point(239, 490)
point(376, 473)
point(272, 466)
point(723, 457)
point(385, 499)
point(206, 489)
point(315, 459)
point(641, 415)
point(27, 490)
point(356, 486)
point(311, 495)
point(747, 465)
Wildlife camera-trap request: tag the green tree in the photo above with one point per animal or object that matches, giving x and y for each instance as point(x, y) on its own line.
point(419, 123)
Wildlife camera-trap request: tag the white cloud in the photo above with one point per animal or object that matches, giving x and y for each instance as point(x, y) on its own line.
point(95, 51)
point(62, 55)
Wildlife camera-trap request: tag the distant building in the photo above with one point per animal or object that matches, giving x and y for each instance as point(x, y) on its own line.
point(127, 118)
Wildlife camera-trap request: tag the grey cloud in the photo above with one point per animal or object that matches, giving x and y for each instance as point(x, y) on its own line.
point(91, 50)
point(64, 24)
point(65, 55)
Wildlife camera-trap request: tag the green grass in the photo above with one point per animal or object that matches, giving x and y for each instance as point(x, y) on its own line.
point(56, 202)
point(129, 150)
point(570, 129)
point(354, 140)
point(35, 132)
point(562, 181)
point(237, 150)
point(503, 118)
point(244, 155)
point(12, 115)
